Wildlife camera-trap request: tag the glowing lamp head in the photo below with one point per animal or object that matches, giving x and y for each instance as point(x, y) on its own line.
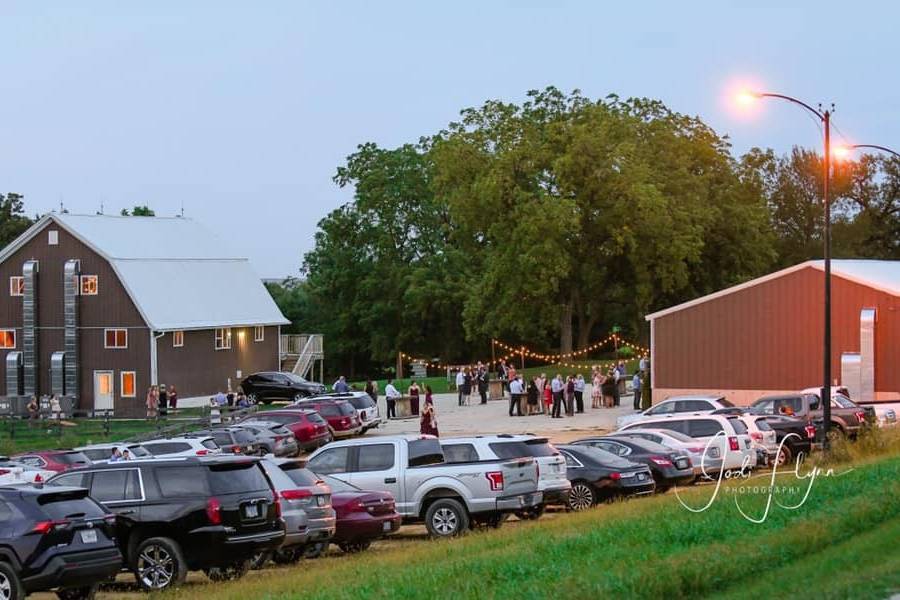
point(842, 152)
point(746, 98)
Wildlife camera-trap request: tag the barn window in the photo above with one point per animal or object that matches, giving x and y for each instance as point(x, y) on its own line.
point(89, 285)
point(17, 285)
point(223, 338)
point(7, 339)
point(128, 387)
point(177, 339)
point(53, 237)
point(259, 333)
point(115, 338)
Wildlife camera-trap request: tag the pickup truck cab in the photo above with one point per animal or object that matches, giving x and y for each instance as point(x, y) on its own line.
point(447, 497)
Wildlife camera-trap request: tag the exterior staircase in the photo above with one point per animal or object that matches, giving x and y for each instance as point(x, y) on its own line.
point(299, 353)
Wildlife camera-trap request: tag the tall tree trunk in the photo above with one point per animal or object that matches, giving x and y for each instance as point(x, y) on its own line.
point(565, 328)
point(352, 375)
point(585, 325)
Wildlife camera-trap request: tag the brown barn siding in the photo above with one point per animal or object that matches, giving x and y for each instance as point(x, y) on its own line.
point(769, 336)
point(198, 369)
point(111, 307)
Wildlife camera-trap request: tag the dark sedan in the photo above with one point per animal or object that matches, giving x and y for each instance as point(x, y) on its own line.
point(362, 516)
point(267, 386)
point(669, 467)
point(598, 475)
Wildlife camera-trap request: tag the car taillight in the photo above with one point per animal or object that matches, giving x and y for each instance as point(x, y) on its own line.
point(202, 452)
point(236, 449)
point(345, 421)
point(661, 460)
point(356, 506)
point(45, 527)
point(615, 476)
point(810, 431)
point(214, 511)
point(295, 494)
point(733, 443)
point(495, 479)
point(277, 502)
point(861, 417)
point(38, 478)
point(757, 436)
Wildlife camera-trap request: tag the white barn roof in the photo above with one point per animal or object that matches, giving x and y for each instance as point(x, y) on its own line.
point(883, 275)
point(178, 274)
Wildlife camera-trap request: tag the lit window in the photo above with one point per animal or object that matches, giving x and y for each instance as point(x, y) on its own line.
point(53, 237)
point(177, 339)
point(128, 386)
point(223, 339)
point(17, 286)
point(89, 285)
point(116, 338)
point(7, 339)
point(259, 333)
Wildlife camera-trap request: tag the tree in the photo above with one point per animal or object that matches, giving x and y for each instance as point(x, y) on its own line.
point(138, 211)
point(13, 221)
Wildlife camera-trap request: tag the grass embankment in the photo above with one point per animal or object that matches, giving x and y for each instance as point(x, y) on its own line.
point(841, 543)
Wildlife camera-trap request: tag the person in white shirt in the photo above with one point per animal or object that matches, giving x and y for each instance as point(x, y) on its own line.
point(460, 385)
point(516, 389)
point(391, 393)
point(556, 386)
point(579, 393)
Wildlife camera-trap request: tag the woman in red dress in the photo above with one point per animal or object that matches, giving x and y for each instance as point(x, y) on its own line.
point(548, 396)
point(414, 397)
point(428, 422)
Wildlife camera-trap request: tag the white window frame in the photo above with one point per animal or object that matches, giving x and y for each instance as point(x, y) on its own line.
point(178, 339)
point(96, 285)
point(122, 375)
point(16, 282)
point(53, 237)
point(106, 332)
point(259, 333)
point(223, 338)
point(14, 340)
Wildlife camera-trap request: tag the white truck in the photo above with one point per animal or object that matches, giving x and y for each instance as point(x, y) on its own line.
point(449, 498)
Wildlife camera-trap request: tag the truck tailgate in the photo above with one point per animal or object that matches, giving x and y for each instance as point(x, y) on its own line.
point(520, 476)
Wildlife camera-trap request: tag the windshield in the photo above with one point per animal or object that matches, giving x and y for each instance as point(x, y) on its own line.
point(339, 486)
point(740, 427)
point(295, 378)
point(72, 458)
point(840, 401)
point(361, 402)
point(300, 474)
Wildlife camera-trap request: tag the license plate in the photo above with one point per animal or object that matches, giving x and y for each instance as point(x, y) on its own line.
point(387, 526)
point(88, 536)
point(251, 511)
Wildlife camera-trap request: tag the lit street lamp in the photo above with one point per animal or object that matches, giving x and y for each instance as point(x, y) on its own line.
point(747, 98)
point(844, 151)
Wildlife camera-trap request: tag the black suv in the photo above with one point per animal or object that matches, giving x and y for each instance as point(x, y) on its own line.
point(270, 385)
point(54, 538)
point(178, 515)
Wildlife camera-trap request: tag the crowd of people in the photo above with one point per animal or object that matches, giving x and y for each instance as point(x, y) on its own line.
point(160, 400)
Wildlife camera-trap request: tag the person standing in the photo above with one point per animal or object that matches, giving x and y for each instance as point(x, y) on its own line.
point(467, 385)
point(614, 372)
point(548, 396)
point(557, 387)
point(413, 393)
point(515, 393)
point(460, 385)
point(503, 374)
point(609, 389)
point(596, 388)
point(428, 420)
point(532, 407)
point(152, 402)
point(579, 393)
point(391, 395)
point(163, 401)
point(636, 386)
point(645, 361)
point(371, 390)
point(511, 373)
point(173, 399)
point(570, 396)
point(340, 386)
point(483, 378)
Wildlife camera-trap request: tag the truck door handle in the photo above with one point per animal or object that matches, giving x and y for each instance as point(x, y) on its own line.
point(390, 480)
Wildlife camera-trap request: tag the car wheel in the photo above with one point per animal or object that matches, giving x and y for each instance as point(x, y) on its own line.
point(82, 593)
point(528, 514)
point(10, 586)
point(252, 398)
point(445, 518)
point(229, 573)
point(353, 547)
point(159, 564)
point(259, 560)
point(314, 550)
point(581, 496)
point(288, 556)
point(784, 456)
point(299, 396)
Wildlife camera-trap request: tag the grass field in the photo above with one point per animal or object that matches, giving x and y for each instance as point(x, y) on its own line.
point(841, 543)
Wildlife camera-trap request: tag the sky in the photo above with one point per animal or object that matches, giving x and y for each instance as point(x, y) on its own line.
point(240, 112)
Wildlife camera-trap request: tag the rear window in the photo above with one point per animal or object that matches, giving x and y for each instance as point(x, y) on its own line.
point(209, 444)
point(299, 475)
point(178, 482)
point(66, 506)
point(71, 458)
point(763, 425)
point(244, 437)
point(425, 452)
point(346, 409)
point(329, 410)
point(459, 453)
point(237, 478)
point(698, 428)
point(740, 427)
point(361, 402)
point(315, 418)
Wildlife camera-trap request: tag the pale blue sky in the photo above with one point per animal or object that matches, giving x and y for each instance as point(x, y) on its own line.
point(243, 110)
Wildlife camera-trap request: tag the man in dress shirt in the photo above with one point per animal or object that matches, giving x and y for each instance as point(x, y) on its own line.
point(556, 386)
point(516, 389)
point(391, 394)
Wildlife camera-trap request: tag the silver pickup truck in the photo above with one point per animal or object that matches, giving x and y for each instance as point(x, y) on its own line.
point(447, 497)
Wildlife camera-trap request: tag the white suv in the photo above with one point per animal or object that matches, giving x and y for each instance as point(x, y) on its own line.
point(729, 433)
point(366, 408)
point(552, 478)
point(101, 453)
point(678, 404)
point(182, 446)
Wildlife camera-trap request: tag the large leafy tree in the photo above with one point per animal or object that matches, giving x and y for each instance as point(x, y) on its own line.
point(13, 221)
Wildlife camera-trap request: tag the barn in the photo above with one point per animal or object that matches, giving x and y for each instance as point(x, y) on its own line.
point(98, 308)
point(766, 335)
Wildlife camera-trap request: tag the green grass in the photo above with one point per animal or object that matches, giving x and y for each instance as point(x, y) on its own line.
point(840, 543)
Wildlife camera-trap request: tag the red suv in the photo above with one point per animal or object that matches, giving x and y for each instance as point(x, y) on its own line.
point(308, 426)
point(54, 460)
point(340, 414)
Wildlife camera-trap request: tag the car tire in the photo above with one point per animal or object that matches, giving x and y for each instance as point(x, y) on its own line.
point(529, 514)
point(315, 550)
point(259, 560)
point(446, 518)
point(354, 547)
point(288, 556)
point(82, 593)
point(251, 398)
point(299, 396)
point(230, 572)
point(582, 496)
point(10, 586)
point(784, 456)
point(158, 564)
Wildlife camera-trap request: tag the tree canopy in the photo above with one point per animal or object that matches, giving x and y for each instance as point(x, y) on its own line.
point(13, 221)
